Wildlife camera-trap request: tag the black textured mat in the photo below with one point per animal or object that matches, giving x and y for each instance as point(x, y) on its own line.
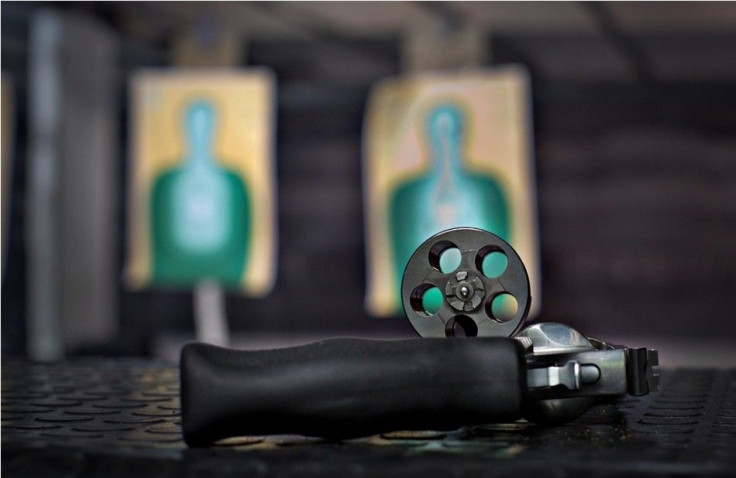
point(121, 418)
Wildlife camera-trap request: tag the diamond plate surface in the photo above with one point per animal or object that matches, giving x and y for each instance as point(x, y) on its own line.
point(122, 418)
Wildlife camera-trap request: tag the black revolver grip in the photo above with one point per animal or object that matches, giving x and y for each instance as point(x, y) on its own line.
point(345, 388)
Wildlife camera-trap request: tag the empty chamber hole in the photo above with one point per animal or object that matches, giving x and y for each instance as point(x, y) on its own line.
point(494, 264)
point(461, 326)
point(426, 300)
point(445, 256)
point(450, 260)
point(503, 307)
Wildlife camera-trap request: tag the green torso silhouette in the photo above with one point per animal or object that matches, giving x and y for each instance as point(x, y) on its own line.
point(200, 214)
point(446, 196)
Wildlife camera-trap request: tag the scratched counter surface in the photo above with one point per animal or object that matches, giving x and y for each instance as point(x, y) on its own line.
point(114, 418)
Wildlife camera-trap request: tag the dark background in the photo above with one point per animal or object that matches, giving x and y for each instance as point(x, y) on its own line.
point(635, 143)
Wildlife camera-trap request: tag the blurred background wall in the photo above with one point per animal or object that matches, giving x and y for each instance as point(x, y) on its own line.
point(635, 141)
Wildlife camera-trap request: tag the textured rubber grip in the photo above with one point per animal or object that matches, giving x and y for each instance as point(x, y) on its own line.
point(345, 388)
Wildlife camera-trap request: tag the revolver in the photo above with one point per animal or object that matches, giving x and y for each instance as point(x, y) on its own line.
point(346, 388)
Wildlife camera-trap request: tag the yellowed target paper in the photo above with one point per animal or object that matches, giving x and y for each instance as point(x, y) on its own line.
point(444, 150)
point(202, 194)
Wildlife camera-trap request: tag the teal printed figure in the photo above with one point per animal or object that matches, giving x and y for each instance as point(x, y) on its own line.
point(446, 196)
point(200, 212)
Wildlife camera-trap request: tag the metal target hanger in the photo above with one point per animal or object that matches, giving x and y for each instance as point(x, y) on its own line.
point(469, 295)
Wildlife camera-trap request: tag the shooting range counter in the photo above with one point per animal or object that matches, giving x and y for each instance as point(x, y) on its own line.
point(105, 417)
